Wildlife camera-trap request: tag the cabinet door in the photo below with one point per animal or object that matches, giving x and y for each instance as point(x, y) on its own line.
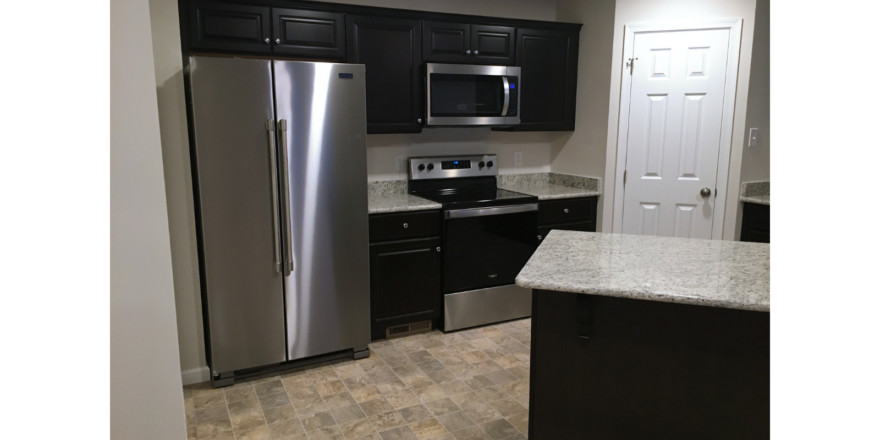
point(228, 27)
point(445, 42)
point(492, 45)
point(391, 50)
point(548, 85)
point(755, 223)
point(310, 34)
point(404, 283)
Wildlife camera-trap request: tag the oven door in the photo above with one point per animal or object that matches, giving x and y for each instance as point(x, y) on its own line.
point(472, 95)
point(487, 247)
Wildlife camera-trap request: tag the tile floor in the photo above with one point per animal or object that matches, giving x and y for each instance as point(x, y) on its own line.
point(466, 385)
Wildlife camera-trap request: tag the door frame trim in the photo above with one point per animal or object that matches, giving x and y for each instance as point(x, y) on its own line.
point(727, 114)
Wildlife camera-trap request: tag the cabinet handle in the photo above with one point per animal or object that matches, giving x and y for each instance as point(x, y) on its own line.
point(266, 40)
point(565, 210)
point(405, 225)
point(277, 41)
point(419, 120)
point(438, 248)
point(467, 52)
point(540, 238)
point(476, 52)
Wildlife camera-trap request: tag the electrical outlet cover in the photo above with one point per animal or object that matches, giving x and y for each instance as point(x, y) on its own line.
point(517, 159)
point(401, 163)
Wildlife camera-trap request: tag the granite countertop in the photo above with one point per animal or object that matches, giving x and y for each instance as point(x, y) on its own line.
point(547, 191)
point(755, 192)
point(549, 186)
point(387, 202)
point(761, 200)
point(713, 273)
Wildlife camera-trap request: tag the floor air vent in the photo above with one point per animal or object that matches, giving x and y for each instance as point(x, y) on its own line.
point(399, 331)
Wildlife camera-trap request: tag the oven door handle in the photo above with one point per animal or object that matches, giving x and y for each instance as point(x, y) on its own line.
point(481, 212)
point(506, 96)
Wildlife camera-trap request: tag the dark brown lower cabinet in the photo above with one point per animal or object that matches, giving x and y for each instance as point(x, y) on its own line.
point(622, 369)
point(755, 223)
point(578, 214)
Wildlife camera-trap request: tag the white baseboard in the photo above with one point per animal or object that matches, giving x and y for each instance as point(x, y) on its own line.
point(196, 375)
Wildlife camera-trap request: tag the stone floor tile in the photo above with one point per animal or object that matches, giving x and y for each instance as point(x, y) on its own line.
point(366, 393)
point(471, 433)
point(315, 421)
point(279, 413)
point(357, 428)
point(520, 421)
point(429, 393)
point(414, 413)
point(331, 433)
point(376, 406)
point(455, 421)
point(499, 429)
point(286, 428)
point(402, 399)
point(399, 433)
point(442, 406)
point(386, 421)
point(347, 414)
point(269, 387)
point(428, 428)
point(339, 400)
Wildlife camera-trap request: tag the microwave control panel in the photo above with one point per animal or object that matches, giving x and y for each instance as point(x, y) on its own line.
point(514, 94)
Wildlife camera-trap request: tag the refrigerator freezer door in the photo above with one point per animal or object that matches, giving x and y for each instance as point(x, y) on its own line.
point(328, 290)
point(232, 117)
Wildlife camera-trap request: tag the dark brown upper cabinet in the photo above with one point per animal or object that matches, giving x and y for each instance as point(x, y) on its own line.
point(309, 34)
point(548, 86)
point(447, 42)
point(227, 27)
point(492, 45)
point(391, 50)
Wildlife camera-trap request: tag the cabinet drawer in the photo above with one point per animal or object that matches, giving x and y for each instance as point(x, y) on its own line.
point(404, 225)
point(567, 210)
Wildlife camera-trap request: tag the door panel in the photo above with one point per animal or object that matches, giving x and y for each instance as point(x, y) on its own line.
point(446, 42)
point(404, 282)
point(674, 133)
point(227, 27)
point(391, 50)
point(231, 102)
point(308, 33)
point(487, 251)
point(492, 45)
point(327, 292)
point(548, 60)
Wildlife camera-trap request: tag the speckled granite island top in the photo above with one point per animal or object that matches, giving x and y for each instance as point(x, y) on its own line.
point(713, 273)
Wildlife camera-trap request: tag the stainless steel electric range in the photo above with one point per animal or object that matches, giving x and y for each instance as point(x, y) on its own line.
point(488, 233)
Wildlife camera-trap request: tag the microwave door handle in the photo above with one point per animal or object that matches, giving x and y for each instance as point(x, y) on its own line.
point(506, 96)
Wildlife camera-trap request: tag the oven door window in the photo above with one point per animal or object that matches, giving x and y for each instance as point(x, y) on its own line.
point(487, 251)
point(466, 95)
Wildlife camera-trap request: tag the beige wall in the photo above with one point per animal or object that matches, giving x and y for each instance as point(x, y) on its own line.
point(582, 152)
point(640, 12)
point(178, 188)
point(145, 387)
point(756, 160)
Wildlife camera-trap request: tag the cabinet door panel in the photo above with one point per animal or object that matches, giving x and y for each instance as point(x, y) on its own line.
point(227, 27)
point(492, 45)
point(308, 33)
point(404, 283)
point(446, 42)
point(391, 50)
point(755, 223)
point(549, 78)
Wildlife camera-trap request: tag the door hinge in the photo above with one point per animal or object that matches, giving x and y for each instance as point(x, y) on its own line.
point(624, 177)
point(631, 64)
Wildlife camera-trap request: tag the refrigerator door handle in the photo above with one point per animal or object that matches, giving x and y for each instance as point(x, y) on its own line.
point(276, 228)
point(285, 195)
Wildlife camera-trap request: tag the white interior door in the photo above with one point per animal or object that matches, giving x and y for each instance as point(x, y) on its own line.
point(674, 132)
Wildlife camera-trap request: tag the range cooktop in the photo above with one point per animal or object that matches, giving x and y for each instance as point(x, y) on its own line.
point(476, 198)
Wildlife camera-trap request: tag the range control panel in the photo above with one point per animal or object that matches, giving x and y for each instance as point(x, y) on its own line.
point(449, 167)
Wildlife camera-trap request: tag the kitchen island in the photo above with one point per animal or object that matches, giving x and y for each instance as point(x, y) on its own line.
point(637, 337)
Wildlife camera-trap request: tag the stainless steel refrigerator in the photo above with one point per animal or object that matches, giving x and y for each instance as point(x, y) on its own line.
point(279, 171)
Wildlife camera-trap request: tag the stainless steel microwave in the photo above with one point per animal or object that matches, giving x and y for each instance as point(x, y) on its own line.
point(469, 95)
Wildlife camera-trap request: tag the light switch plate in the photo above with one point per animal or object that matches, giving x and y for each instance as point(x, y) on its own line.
point(753, 137)
point(401, 163)
point(517, 159)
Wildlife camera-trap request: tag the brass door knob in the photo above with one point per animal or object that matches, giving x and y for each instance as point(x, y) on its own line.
point(705, 192)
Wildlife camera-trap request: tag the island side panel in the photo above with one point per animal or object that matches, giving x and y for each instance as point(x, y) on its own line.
point(650, 370)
